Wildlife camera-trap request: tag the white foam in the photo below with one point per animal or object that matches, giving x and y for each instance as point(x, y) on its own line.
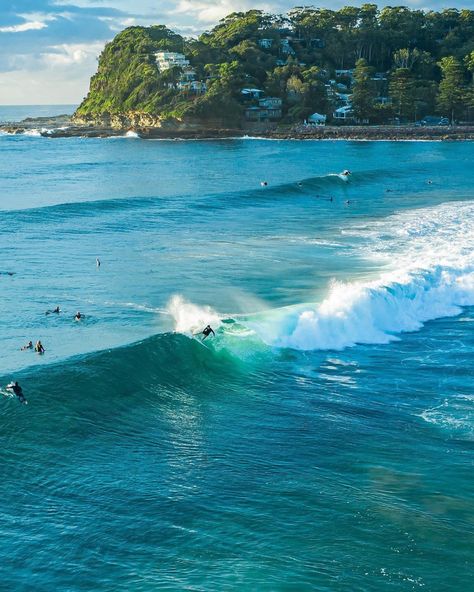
point(430, 259)
point(130, 134)
point(33, 133)
point(455, 414)
point(189, 317)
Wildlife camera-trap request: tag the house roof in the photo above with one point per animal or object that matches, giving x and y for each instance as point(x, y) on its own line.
point(344, 109)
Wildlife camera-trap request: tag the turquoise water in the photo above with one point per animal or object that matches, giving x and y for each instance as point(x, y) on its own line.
point(322, 441)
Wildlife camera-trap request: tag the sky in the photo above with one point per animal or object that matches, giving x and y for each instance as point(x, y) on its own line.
point(49, 48)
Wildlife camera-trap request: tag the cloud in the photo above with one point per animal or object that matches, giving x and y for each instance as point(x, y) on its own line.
point(32, 22)
point(209, 12)
point(71, 54)
point(28, 26)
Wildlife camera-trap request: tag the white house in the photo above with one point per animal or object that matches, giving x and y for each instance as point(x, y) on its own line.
point(169, 59)
point(265, 43)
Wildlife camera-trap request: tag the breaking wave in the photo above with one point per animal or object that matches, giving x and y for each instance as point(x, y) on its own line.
point(430, 274)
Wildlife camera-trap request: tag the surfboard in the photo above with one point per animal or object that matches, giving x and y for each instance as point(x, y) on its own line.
point(201, 343)
point(11, 395)
point(6, 393)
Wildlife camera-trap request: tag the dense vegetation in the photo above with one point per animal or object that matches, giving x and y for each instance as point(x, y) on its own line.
point(422, 62)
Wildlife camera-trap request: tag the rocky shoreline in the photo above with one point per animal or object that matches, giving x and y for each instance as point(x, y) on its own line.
point(63, 127)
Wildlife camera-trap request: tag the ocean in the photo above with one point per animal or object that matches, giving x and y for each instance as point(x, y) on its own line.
point(321, 441)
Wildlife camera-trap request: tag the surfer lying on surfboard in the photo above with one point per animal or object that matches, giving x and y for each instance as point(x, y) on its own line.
point(15, 388)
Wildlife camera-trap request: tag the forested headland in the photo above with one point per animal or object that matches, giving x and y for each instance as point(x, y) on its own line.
point(376, 65)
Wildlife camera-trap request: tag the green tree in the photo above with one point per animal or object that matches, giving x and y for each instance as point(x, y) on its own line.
point(393, 38)
point(425, 98)
point(452, 90)
point(172, 76)
point(364, 91)
point(316, 96)
point(469, 61)
point(402, 91)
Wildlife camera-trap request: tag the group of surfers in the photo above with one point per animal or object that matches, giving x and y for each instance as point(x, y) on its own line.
point(38, 348)
point(16, 389)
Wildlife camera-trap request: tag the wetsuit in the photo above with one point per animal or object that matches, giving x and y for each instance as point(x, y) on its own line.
point(207, 331)
point(16, 388)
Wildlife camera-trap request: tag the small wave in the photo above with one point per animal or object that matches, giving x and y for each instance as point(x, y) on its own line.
point(34, 133)
point(261, 138)
point(31, 133)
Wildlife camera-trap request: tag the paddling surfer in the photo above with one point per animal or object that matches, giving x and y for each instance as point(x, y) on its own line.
point(15, 388)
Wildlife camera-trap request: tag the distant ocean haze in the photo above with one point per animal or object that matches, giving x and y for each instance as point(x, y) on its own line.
point(15, 113)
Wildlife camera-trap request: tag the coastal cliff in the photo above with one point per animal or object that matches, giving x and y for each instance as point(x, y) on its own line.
point(131, 91)
point(253, 69)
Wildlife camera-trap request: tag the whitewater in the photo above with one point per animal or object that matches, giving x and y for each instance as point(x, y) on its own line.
point(322, 440)
point(429, 256)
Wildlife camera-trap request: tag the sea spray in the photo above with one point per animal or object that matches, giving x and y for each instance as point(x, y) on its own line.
point(430, 261)
point(371, 312)
point(189, 317)
point(430, 257)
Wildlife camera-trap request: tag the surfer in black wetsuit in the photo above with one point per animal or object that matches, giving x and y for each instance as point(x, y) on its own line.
point(16, 388)
point(207, 331)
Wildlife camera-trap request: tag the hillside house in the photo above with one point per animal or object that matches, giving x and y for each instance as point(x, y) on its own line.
point(165, 60)
point(269, 109)
point(251, 93)
point(344, 113)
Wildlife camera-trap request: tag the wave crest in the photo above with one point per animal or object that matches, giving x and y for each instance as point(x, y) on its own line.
point(189, 317)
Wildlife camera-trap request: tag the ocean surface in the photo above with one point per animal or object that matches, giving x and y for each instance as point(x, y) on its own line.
point(15, 113)
point(322, 441)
